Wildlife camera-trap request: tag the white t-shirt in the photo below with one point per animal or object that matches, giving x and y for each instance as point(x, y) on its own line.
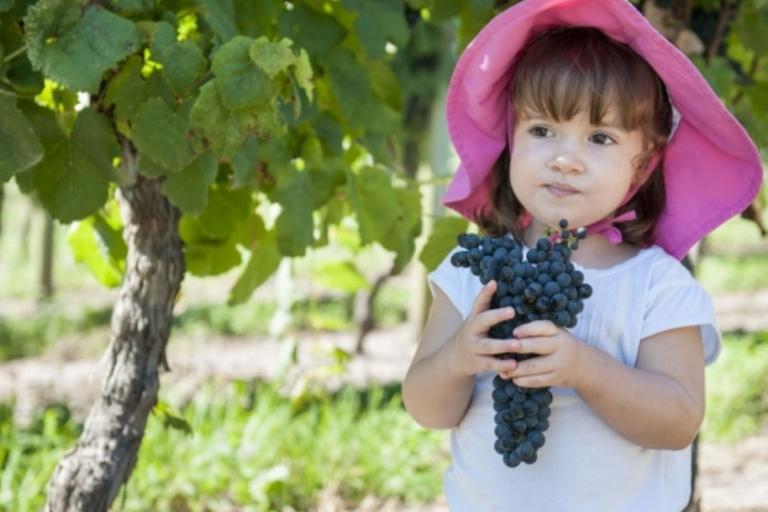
point(584, 464)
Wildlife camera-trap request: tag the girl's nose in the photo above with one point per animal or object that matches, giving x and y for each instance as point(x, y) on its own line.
point(566, 162)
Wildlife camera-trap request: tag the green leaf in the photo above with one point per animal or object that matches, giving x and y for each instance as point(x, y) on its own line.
point(72, 180)
point(205, 255)
point(240, 81)
point(170, 418)
point(379, 21)
point(317, 32)
point(20, 148)
point(100, 245)
point(244, 163)
point(127, 89)
point(442, 240)
point(752, 27)
point(352, 88)
point(228, 130)
point(6, 5)
point(273, 58)
point(406, 228)
point(295, 224)
point(375, 202)
point(164, 135)
point(132, 7)
point(719, 74)
point(188, 188)
point(183, 62)
point(265, 258)
point(149, 168)
point(76, 52)
point(25, 81)
point(340, 275)
point(226, 209)
point(220, 16)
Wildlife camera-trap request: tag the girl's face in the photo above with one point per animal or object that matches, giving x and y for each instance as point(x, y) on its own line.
point(572, 169)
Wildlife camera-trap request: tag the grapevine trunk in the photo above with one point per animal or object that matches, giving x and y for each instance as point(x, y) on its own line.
point(89, 476)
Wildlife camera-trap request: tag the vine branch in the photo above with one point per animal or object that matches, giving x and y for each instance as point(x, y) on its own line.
point(8, 58)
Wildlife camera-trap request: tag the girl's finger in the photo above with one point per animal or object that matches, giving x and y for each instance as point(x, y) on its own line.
point(534, 381)
point(488, 319)
point(534, 345)
point(494, 364)
point(483, 299)
point(534, 366)
point(536, 328)
point(491, 346)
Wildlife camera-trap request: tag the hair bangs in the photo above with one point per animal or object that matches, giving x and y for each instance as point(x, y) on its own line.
point(565, 72)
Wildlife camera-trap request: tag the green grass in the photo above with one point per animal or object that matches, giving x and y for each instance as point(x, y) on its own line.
point(251, 449)
point(737, 390)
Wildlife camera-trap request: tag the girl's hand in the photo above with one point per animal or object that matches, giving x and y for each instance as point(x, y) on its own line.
point(473, 350)
point(562, 360)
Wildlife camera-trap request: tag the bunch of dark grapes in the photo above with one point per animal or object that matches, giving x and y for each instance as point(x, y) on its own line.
point(543, 285)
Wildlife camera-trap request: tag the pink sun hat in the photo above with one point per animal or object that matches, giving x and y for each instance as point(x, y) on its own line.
point(710, 152)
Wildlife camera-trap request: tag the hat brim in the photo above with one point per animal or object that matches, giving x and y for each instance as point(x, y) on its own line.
point(712, 168)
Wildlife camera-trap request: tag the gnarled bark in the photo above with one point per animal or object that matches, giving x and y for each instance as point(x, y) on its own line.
point(89, 476)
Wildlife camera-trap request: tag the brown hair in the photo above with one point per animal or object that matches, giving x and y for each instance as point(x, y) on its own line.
point(560, 73)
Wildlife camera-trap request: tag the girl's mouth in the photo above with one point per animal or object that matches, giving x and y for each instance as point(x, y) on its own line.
point(561, 190)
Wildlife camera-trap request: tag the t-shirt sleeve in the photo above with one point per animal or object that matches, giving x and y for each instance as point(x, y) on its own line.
point(676, 299)
point(451, 280)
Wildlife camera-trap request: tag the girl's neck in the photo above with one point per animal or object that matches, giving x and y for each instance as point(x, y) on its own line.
point(595, 251)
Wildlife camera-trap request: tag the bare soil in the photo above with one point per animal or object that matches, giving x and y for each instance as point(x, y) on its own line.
point(733, 478)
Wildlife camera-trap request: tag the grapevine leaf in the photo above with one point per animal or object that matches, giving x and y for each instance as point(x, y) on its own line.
point(72, 180)
point(265, 258)
point(226, 209)
point(255, 18)
point(295, 225)
point(183, 62)
point(406, 228)
point(379, 21)
point(76, 52)
point(318, 32)
point(340, 275)
point(100, 245)
point(352, 87)
point(20, 148)
point(25, 80)
point(240, 81)
point(244, 163)
point(164, 135)
point(752, 27)
point(188, 188)
point(719, 74)
point(205, 255)
point(149, 168)
point(228, 130)
point(442, 240)
point(330, 132)
point(132, 7)
point(220, 16)
point(273, 58)
point(374, 201)
point(126, 89)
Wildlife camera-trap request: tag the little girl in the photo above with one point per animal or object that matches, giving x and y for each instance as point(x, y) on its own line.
point(580, 110)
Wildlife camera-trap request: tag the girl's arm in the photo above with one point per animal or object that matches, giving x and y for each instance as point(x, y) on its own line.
point(658, 404)
point(439, 384)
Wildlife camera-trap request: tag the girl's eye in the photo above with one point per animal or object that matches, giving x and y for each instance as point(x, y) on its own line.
point(539, 131)
point(602, 139)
